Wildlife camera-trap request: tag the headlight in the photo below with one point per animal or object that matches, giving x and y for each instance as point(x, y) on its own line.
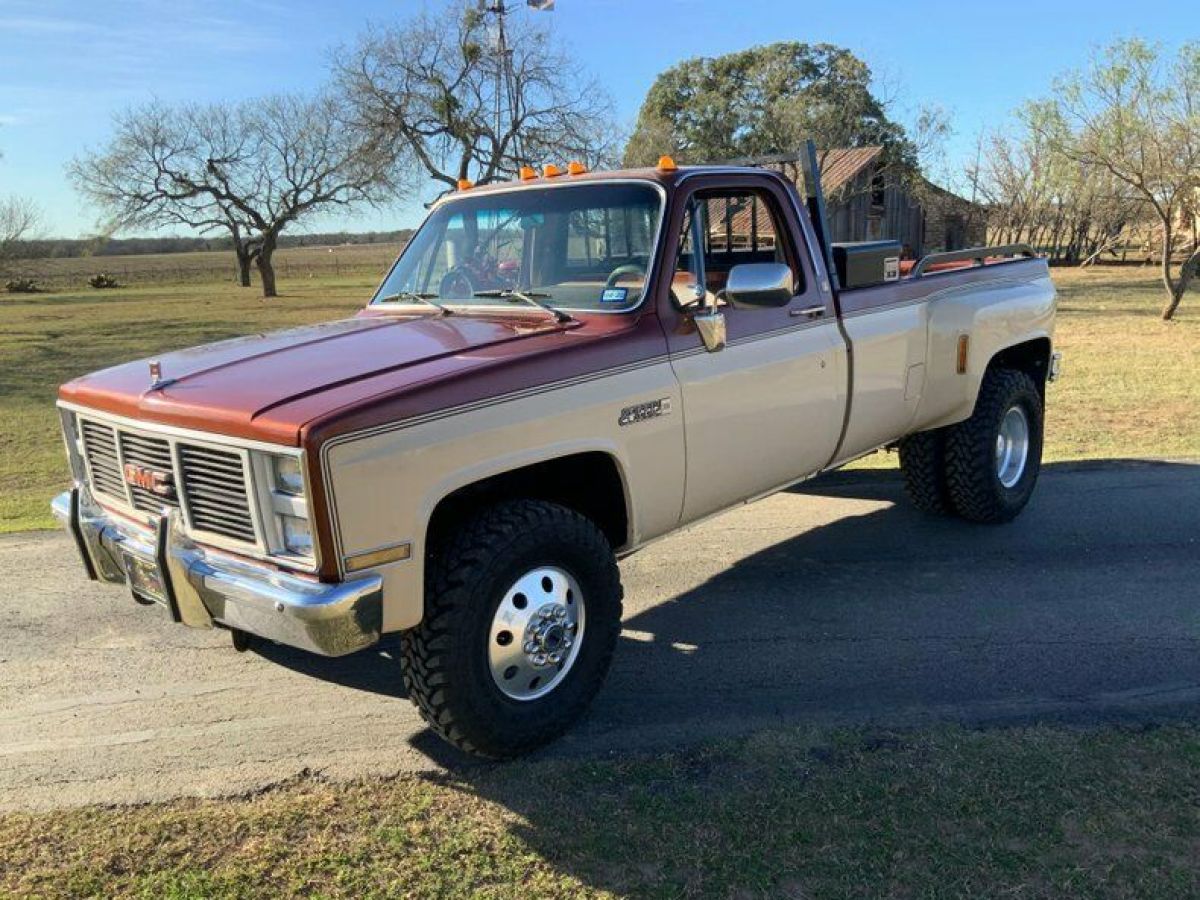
point(297, 535)
point(288, 476)
point(280, 486)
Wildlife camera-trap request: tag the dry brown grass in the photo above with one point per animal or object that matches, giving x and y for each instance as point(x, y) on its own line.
point(1131, 384)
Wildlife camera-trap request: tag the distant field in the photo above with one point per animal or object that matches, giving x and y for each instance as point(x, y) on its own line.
point(1130, 386)
point(216, 266)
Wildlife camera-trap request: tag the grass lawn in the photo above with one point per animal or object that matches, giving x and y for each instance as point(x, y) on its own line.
point(1025, 813)
point(1129, 388)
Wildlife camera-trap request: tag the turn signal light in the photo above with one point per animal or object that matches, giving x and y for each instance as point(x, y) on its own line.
point(964, 349)
point(576, 168)
point(551, 171)
point(465, 184)
point(666, 164)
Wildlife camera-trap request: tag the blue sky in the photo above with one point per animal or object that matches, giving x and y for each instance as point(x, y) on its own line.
point(66, 66)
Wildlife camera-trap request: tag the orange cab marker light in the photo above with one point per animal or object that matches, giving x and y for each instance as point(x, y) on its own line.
point(465, 184)
point(551, 171)
point(666, 164)
point(527, 174)
point(576, 168)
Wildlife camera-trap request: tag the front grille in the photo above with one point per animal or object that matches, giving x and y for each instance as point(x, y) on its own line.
point(211, 484)
point(214, 482)
point(100, 448)
point(152, 453)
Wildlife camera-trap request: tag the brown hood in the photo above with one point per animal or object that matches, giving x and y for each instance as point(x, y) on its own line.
point(268, 386)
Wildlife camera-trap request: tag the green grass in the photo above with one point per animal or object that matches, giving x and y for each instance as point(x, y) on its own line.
point(1130, 387)
point(1041, 812)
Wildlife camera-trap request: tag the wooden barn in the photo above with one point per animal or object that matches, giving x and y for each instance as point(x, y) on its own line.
point(864, 203)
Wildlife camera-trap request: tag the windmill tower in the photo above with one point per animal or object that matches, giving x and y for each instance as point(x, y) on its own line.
point(506, 91)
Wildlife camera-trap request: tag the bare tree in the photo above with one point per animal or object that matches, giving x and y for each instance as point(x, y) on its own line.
point(19, 218)
point(1136, 116)
point(429, 90)
point(1070, 212)
point(251, 169)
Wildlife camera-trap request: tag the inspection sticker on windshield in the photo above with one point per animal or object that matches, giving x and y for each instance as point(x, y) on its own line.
point(614, 295)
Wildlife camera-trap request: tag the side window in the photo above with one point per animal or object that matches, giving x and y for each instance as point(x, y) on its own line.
point(737, 226)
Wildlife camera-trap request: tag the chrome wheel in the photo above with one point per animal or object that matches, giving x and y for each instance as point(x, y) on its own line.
point(1012, 446)
point(536, 633)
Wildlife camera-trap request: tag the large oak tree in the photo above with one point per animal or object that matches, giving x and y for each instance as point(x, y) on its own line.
point(763, 101)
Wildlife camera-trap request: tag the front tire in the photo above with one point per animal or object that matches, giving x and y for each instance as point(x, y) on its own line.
point(522, 614)
point(994, 457)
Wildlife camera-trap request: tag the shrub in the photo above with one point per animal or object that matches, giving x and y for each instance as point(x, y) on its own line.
point(102, 281)
point(22, 286)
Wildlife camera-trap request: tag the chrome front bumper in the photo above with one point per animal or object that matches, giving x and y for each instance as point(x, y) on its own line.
point(201, 588)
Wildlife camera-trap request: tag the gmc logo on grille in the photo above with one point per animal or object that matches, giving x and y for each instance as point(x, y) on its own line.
point(159, 483)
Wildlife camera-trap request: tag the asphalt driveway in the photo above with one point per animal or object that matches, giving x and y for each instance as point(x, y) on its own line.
point(834, 603)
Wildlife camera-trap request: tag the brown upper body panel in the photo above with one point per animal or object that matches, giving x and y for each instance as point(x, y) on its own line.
point(271, 387)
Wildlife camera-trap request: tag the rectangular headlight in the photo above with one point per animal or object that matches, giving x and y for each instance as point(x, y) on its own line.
point(297, 535)
point(289, 478)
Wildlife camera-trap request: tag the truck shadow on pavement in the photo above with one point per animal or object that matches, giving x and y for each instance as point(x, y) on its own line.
point(1084, 609)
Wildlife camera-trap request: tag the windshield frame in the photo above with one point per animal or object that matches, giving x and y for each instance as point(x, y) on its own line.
point(651, 271)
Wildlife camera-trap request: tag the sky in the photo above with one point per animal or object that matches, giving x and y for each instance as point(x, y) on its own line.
point(66, 66)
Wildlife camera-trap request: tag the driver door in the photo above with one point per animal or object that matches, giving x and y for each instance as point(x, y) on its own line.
point(767, 409)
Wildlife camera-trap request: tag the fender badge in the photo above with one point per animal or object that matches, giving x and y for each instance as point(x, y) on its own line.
point(157, 382)
point(642, 412)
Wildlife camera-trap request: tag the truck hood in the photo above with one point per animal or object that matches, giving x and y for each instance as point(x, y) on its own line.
point(268, 386)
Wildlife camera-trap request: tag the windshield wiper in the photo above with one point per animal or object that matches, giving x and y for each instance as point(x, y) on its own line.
point(529, 297)
point(419, 298)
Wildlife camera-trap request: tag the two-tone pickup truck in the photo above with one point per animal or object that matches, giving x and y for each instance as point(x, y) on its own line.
point(555, 372)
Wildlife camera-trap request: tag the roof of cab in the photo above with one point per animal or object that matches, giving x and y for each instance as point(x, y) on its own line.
point(665, 177)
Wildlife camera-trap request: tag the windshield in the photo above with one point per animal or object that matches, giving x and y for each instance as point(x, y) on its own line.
point(585, 247)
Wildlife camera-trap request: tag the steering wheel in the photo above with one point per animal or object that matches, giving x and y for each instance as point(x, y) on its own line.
point(458, 282)
point(620, 271)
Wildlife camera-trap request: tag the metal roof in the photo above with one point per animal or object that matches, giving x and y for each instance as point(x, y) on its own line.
point(842, 164)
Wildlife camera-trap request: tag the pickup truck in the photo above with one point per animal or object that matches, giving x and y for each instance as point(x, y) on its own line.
point(557, 371)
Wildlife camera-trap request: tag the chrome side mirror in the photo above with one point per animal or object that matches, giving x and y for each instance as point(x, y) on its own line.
point(754, 285)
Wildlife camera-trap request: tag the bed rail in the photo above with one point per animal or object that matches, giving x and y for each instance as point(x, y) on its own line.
point(976, 255)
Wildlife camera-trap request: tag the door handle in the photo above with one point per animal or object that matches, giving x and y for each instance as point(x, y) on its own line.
point(811, 311)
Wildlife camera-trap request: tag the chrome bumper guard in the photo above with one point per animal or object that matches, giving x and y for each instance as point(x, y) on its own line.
point(201, 589)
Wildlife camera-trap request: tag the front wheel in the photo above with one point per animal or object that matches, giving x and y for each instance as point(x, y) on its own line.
point(994, 457)
point(522, 613)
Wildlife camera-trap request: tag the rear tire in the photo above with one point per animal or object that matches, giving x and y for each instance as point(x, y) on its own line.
point(923, 462)
point(495, 588)
point(994, 457)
